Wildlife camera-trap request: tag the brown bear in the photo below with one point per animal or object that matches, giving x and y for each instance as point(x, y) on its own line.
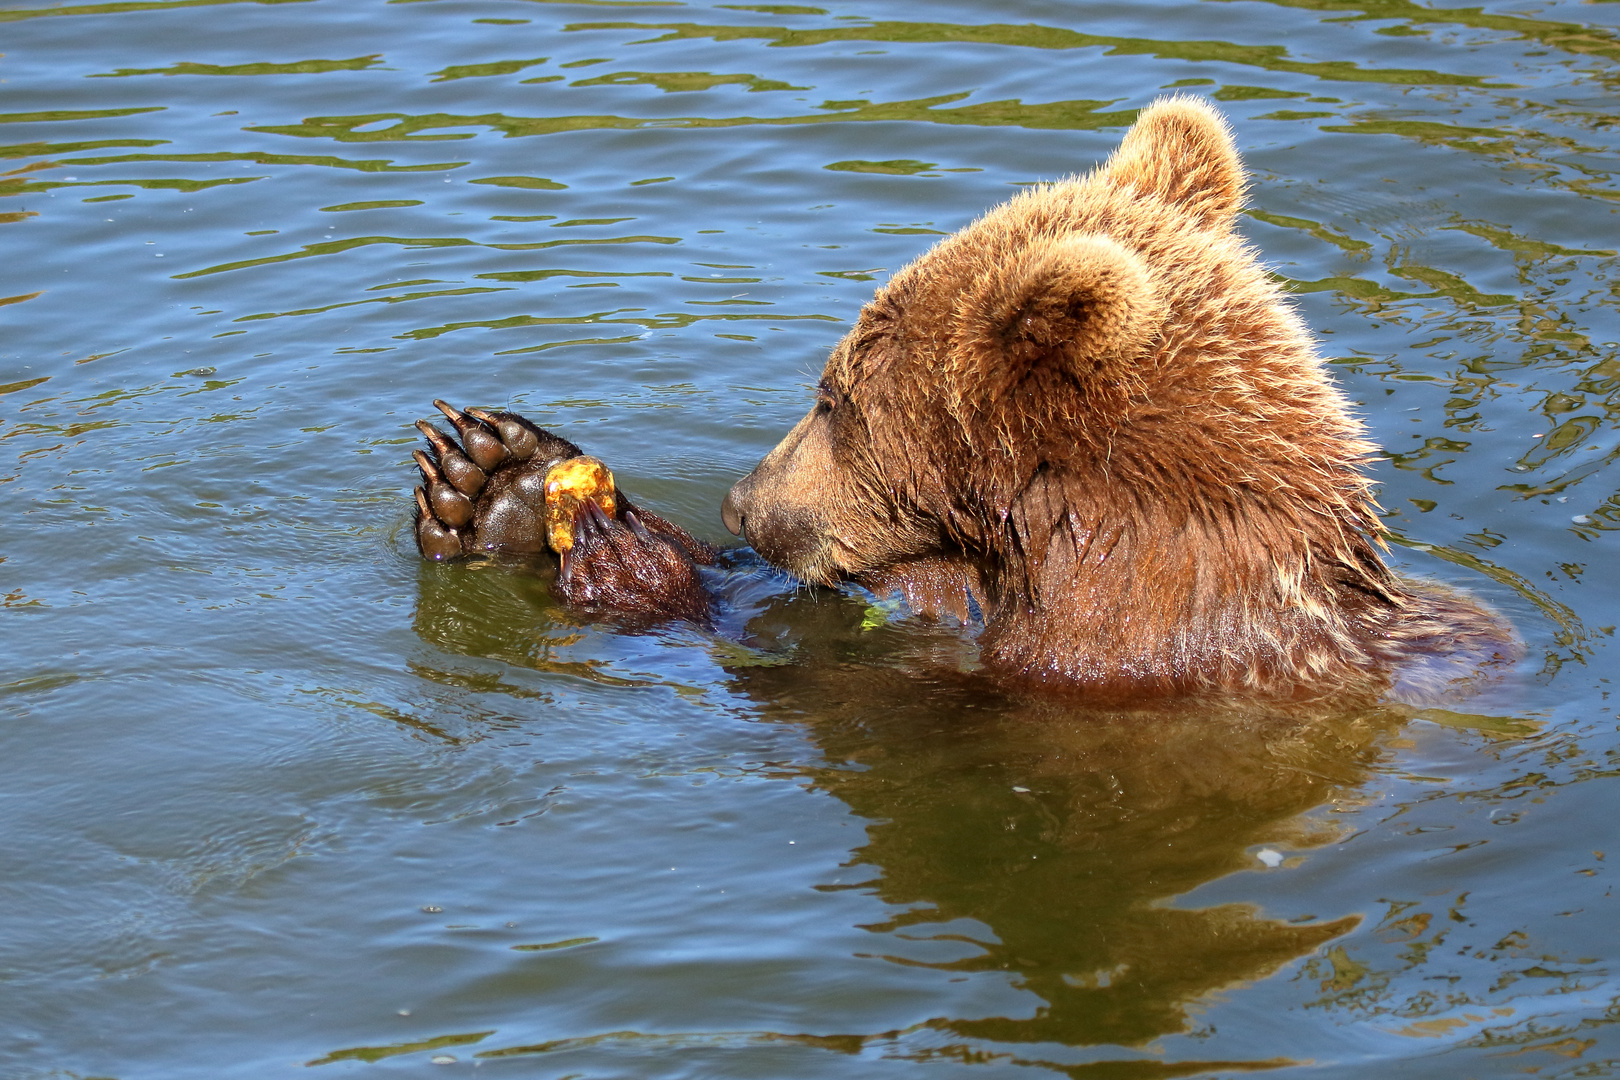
point(1092, 417)
point(1092, 414)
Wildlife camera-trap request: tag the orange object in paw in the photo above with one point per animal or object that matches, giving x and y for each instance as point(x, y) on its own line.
point(569, 485)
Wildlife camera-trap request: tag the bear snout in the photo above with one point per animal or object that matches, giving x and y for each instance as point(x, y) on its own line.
point(778, 525)
point(731, 510)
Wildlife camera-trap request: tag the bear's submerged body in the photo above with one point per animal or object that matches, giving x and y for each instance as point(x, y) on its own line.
point(1092, 416)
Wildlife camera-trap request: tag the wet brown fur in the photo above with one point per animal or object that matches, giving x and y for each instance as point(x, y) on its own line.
point(1094, 413)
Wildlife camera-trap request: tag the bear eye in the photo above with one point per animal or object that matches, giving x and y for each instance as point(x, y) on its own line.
point(826, 397)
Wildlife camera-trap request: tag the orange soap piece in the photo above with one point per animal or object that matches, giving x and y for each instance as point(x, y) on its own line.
point(569, 485)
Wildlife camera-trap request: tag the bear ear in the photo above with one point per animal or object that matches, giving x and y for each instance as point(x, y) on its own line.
point(1180, 151)
point(1075, 310)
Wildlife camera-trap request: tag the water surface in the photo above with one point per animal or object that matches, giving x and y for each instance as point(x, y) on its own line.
point(281, 798)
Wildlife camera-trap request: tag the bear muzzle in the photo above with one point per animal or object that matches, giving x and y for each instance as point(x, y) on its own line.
point(731, 510)
point(782, 531)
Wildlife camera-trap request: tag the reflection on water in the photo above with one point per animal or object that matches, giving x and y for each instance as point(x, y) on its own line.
point(1046, 841)
point(1032, 840)
point(283, 797)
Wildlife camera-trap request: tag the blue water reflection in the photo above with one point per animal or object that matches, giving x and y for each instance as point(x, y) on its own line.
point(282, 797)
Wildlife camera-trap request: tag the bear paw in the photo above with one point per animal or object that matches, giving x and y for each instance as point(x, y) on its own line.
point(619, 565)
point(511, 488)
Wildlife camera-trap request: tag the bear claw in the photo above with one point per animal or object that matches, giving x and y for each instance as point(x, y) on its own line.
point(436, 540)
point(456, 491)
point(461, 472)
point(449, 504)
point(517, 434)
point(478, 439)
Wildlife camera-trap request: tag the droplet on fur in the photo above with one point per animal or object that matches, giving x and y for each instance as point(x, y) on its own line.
point(1021, 790)
point(1271, 858)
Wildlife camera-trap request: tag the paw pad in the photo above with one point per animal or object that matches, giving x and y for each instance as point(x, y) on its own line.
point(456, 478)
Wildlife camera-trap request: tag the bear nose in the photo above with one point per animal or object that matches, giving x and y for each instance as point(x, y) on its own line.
point(731, 512)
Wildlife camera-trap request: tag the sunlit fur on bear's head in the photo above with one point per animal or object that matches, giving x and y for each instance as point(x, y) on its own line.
point(1094, 413)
